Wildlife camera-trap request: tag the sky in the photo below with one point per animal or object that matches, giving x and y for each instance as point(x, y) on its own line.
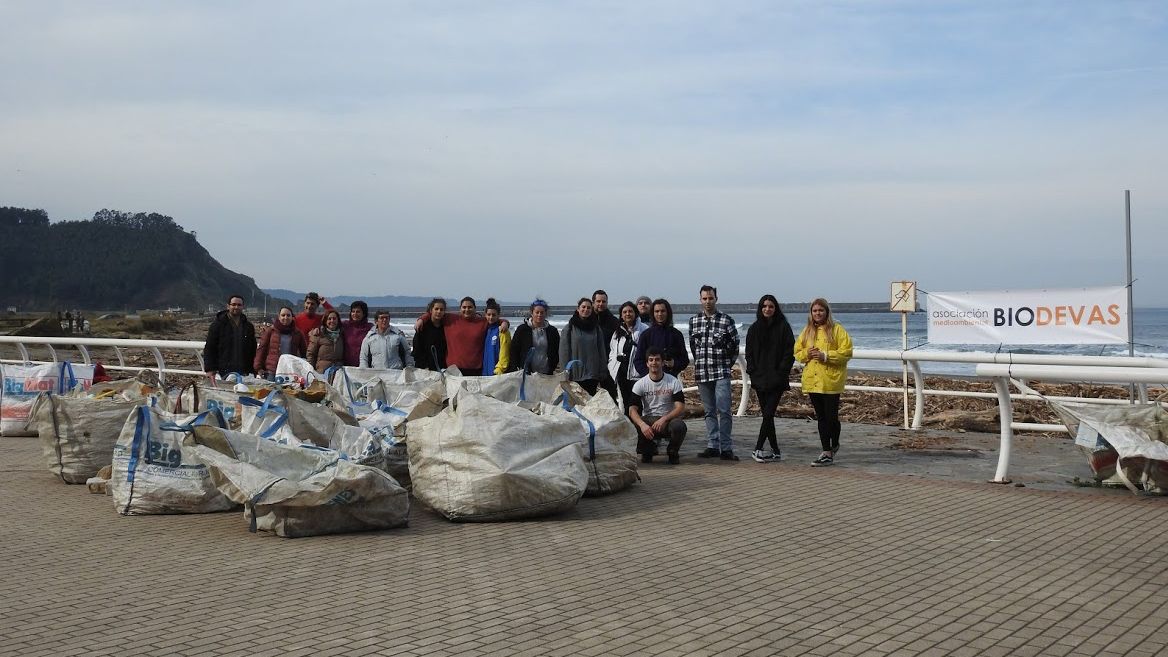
point(515, 149)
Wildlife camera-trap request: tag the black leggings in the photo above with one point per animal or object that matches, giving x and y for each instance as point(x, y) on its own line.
point(769, 400)
point(827, 414)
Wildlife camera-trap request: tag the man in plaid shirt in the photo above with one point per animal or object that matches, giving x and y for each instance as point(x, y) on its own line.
point(713, 339)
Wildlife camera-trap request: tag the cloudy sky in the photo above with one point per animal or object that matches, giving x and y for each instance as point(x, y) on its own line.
point(511, 149)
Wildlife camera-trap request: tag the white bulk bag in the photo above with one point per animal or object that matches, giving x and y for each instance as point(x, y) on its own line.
point(483, 459)
point(610, 444)
point(78, 433)
point(1126, 445)
point(20, 385)
point(291, 421)
point(154, 473)
point(293, 491)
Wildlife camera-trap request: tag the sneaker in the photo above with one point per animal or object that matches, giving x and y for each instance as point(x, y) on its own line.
point(761, 456)
point(709, 453)
point(728, 456)
point(674, 458)
point(777, 455)
point(822, 461)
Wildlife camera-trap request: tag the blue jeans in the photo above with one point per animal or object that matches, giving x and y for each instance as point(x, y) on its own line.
point(719, 422)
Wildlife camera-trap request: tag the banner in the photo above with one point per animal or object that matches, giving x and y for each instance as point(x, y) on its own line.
point(1094, 315)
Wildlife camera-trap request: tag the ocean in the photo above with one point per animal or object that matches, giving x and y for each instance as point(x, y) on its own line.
point(882, 331)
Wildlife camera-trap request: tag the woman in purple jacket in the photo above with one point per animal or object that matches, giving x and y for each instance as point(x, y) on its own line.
point(354, 331)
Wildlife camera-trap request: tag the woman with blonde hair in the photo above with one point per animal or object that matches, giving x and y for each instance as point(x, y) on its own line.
point(824, 348)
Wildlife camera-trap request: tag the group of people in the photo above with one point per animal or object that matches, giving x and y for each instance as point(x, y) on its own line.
point(636, 355)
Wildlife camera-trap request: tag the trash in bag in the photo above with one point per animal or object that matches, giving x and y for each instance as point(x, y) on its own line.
point(20, 385)
point(154, 473)
point(483, 459)
point(291, 421)
point(294, 491)
point(223, 396)
point(78, 433)
point(355, 383)
point(519, 386)
point(610, 444)
point(1126, 445)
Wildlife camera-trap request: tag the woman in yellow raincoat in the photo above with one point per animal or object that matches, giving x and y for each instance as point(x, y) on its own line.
point(824, 348)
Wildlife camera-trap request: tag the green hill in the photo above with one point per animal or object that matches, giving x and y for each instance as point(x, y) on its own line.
point(115, 260)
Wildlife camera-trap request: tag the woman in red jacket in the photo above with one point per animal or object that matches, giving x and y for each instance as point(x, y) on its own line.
point(281, 338)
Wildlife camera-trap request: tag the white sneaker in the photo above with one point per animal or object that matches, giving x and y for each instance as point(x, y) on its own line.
point(761, 456)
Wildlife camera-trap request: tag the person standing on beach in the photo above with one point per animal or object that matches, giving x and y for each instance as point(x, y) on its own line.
point(536, 344)
point(278, 339)
point(326, 345)
point(621, 350)
point(497, 346)
point(583, 342)
point(384, 347)
point(656, 408)
point(308, 319)
point(645, 310)
point(430, 337)
point(663, 335)
point(770, 347)
point(355, 329)
point(713, 339)
point(824, 347)
point(231, 341)
point(608, 323)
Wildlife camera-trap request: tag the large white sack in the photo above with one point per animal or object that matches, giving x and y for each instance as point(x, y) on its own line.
point(78, 433)
point(357, 383)
point(610, 444)
point(296, 371)
point(1127, 445)
point(483, 459)
point(154, 473)
point(20, 385)
point(291, 421)
point(292, 491)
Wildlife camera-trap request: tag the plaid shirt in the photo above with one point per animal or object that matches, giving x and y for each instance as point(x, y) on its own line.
point(714, 343)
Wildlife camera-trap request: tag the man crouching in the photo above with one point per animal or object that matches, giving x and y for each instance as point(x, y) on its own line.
point(656, 409)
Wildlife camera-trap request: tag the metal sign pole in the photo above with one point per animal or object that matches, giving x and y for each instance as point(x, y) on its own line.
point(904, 301)
point(904, 363)
point(1131, 335)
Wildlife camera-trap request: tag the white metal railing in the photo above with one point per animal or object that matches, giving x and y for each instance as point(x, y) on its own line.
point(1004, 375)
point(83, 346)
point(1002, 368)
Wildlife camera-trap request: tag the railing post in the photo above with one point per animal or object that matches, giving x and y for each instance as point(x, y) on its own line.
point(919, 385)
point(744, 402)
point(1005, 419)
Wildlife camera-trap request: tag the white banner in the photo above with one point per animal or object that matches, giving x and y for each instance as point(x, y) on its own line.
point(1094, 315)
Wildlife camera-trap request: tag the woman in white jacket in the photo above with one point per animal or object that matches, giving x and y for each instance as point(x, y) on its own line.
point(621, 350)
point(384, 347)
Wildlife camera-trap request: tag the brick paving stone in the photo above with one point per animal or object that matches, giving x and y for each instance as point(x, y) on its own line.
point(914, 565)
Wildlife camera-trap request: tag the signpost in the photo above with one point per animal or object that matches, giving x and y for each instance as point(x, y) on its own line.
point(904, 301)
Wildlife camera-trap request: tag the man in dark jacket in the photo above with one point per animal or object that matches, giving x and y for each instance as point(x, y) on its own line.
point(662, 335)
point(608, 324)
point(231, 341)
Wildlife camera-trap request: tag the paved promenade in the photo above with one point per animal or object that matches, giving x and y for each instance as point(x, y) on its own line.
point(890, 552)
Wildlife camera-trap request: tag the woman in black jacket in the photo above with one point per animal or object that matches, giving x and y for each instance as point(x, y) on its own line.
point(536, 343)
point(770, 354)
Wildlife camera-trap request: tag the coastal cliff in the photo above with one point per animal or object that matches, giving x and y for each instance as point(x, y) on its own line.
point(115, 260)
